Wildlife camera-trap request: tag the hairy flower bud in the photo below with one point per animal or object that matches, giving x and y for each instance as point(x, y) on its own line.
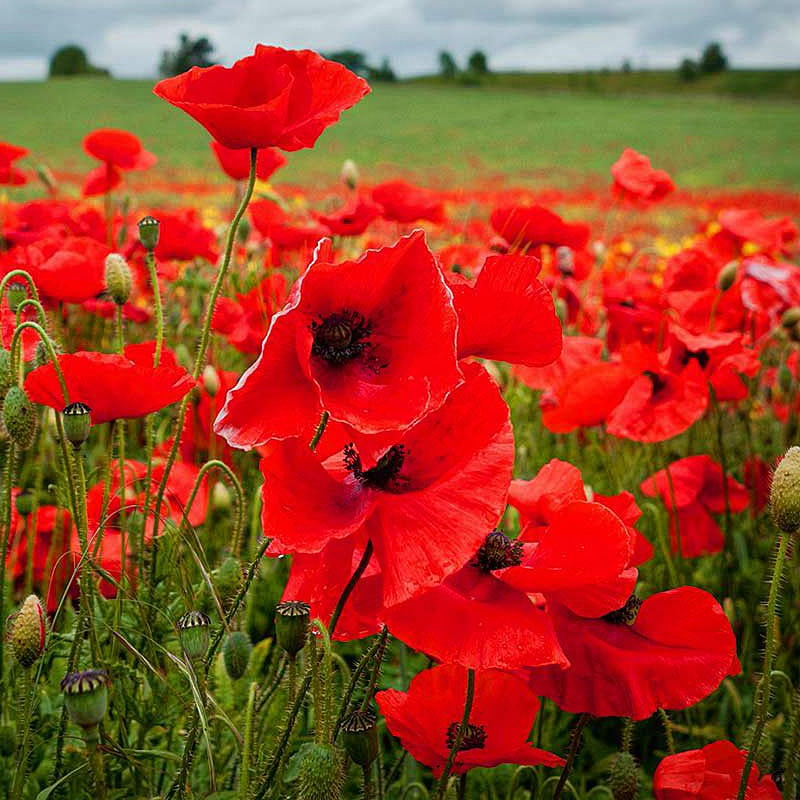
point(193, 630)
point(291, 625)
point(118, 278)
point(784, 495)
point(236, 654)
point(211, 380)
point(77, 422)
point(27, 631)
point(624, 777)
point(319, 776)
point(727, 276)
point(19, 418)
point(149, 229)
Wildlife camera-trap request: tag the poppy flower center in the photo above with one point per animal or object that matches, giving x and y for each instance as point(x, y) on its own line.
point(385, 474)
point(659, 384)
point(474, 737)
point(498, 552)
point(627, 614)
point(701, 356)
point(340, 337)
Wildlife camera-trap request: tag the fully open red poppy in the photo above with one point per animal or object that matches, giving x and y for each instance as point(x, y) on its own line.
point(636, 180)
point(273, 98)
point(353, 218)
point(235, 163)
point(118, 150)
point(524, 227)
point(426, 718)
point(405, 203)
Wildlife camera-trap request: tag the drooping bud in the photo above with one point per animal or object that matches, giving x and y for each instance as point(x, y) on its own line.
point(291, 625)
point(118, 278)
point(86, 698)
point(727, 276)
point(211, 380)
point(221, 497)
point(228, 579)
point(193, 628)
point(19, 418)
point(24, 503)
point(784, 495)
point(790, 317)
point(16, 293)
point(623, 780)
point(149, 229)
point(360, 736)
point(349, 173)
point(236, 654)
point(77, 422)
point(27, 631)
point(319, 776)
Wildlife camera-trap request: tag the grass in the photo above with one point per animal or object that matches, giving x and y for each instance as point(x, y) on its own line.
point(444, 135)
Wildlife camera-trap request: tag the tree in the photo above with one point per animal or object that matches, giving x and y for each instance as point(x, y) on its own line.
point(477, 63)
point(72, 60)
point(713, 59)
point(688, 70)
point(354, 60)
point(447, 65)
point(382, 73)
point(189, 53)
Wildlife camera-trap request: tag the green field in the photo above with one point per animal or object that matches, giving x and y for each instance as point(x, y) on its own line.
point(445, 135)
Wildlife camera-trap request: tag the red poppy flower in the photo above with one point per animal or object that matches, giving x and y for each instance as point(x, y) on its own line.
point(427, 717)
point(576, 351)
point(748, 225)
point(9, 174)
point(425, 496)
point(273, 223)
point(712, 773)
point(677, 651)
point(696, 484)
point(9, 153)
point(529, 226)
point(371, 341)
point(118, 150)
point(635, 179)
point(274, 98)
point(113, 386)
point(101, 180)
point(353, 218)
point(506, 314)
point(183, 237)
point(235, 163)
point(71, 270)
point(405, 203)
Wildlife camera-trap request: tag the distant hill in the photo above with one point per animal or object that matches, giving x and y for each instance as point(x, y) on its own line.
point(777, 83)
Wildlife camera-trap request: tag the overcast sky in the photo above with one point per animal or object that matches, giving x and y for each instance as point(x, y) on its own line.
point(127, 36)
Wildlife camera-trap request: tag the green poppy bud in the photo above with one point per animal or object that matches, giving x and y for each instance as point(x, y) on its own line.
point(193, 628)
point(19, 418)
point(319, 776)
point(211, 380)
point(624, 777)
point(291, 625)
point(86, 698)
point(27, 631)
point(149, 229)
point(16, 293)
point(784, 495)
point(360, 736)
point(236, 654)
point(118, 278)
point(349, 173)
point(77, 422)
point(790, 317)
point(727, 276)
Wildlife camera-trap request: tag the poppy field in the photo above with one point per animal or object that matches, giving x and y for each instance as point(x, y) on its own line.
point(479, 486)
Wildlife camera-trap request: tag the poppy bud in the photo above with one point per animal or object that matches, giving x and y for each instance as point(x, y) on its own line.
point(221, 497)
point(236, 654)
point(784, 494)
point(24, 503)
point(193, 629)
point(86, 698)
point(624, 777)
point(118, 278)
point(77, 421)
point(349, 173)
point(228, 579)
point(27, 631)
point(19, 418)
point(727, 276)
point(360, 736)
point(16, 293)
point(211, 380)
point(319, 776)
point(149, 229)
point(790, 317)
point(291, 625)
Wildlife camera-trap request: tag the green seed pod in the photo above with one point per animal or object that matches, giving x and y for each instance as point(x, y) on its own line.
point(784, 495)
point(19, 418)
point(86, 697)
point(149, 229)
point(118, 278)
point(236, 654)
point(624, 777)
point(727, 276)
point(319, 776)
point(77, 422)
point(360, 736)
point(291, 625)
point(16, 293)
point(27, 632)
point(193, 628)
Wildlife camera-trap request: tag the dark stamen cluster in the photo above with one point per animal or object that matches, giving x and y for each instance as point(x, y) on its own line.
point(385, 473)
point(658, 382)
point(340, 337)
point(498, 552)
point(627, 614)
point(701, 356)
point(474, 737)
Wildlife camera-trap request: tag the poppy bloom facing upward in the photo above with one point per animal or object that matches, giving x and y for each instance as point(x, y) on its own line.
point(373, 342)
point(273, 98)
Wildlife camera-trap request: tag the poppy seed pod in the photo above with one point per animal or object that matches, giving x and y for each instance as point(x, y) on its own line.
point(360, 736)
point(24, 503)
point(291, 625)
point(86, 697)
point(27, 632)
point(193, 630)
point(784, 495)
point(77, 422)
point(149, 229)
point(16, 293)
point(118, 278)
point(19, 418)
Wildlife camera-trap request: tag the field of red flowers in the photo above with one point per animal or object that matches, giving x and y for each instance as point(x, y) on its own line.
point(380, 491)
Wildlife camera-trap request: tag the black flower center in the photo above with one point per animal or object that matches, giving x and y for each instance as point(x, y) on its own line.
point(340, 337)
point(474, 737)
point(498, 552)
point(701, 356)
point(659, 384)
point(385, 474)
point(627, 614)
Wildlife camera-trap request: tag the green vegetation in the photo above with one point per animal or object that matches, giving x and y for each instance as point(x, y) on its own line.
point(450, 135)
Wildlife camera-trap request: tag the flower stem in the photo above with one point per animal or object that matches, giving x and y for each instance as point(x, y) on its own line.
point(459, 737)
point(574, 746)
point(351, 584)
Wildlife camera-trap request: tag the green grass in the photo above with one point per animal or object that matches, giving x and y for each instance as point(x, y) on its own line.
point(444, 135)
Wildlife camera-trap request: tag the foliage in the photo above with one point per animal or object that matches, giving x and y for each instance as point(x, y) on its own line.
point(713, 59)
point(478, 63)
point(72, 60)
point(188, 53)
point(447, 65)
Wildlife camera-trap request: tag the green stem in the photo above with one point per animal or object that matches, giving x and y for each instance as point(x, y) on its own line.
point(5, 535)
point(574, 746)
point(351, 584)
point(95, 756)
point(667, 723)
point(21, 771)
point(19, 273)
point(323, 422)
point(150, 260)
point(763, 689)
point(244, 770)
point(459, 737)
